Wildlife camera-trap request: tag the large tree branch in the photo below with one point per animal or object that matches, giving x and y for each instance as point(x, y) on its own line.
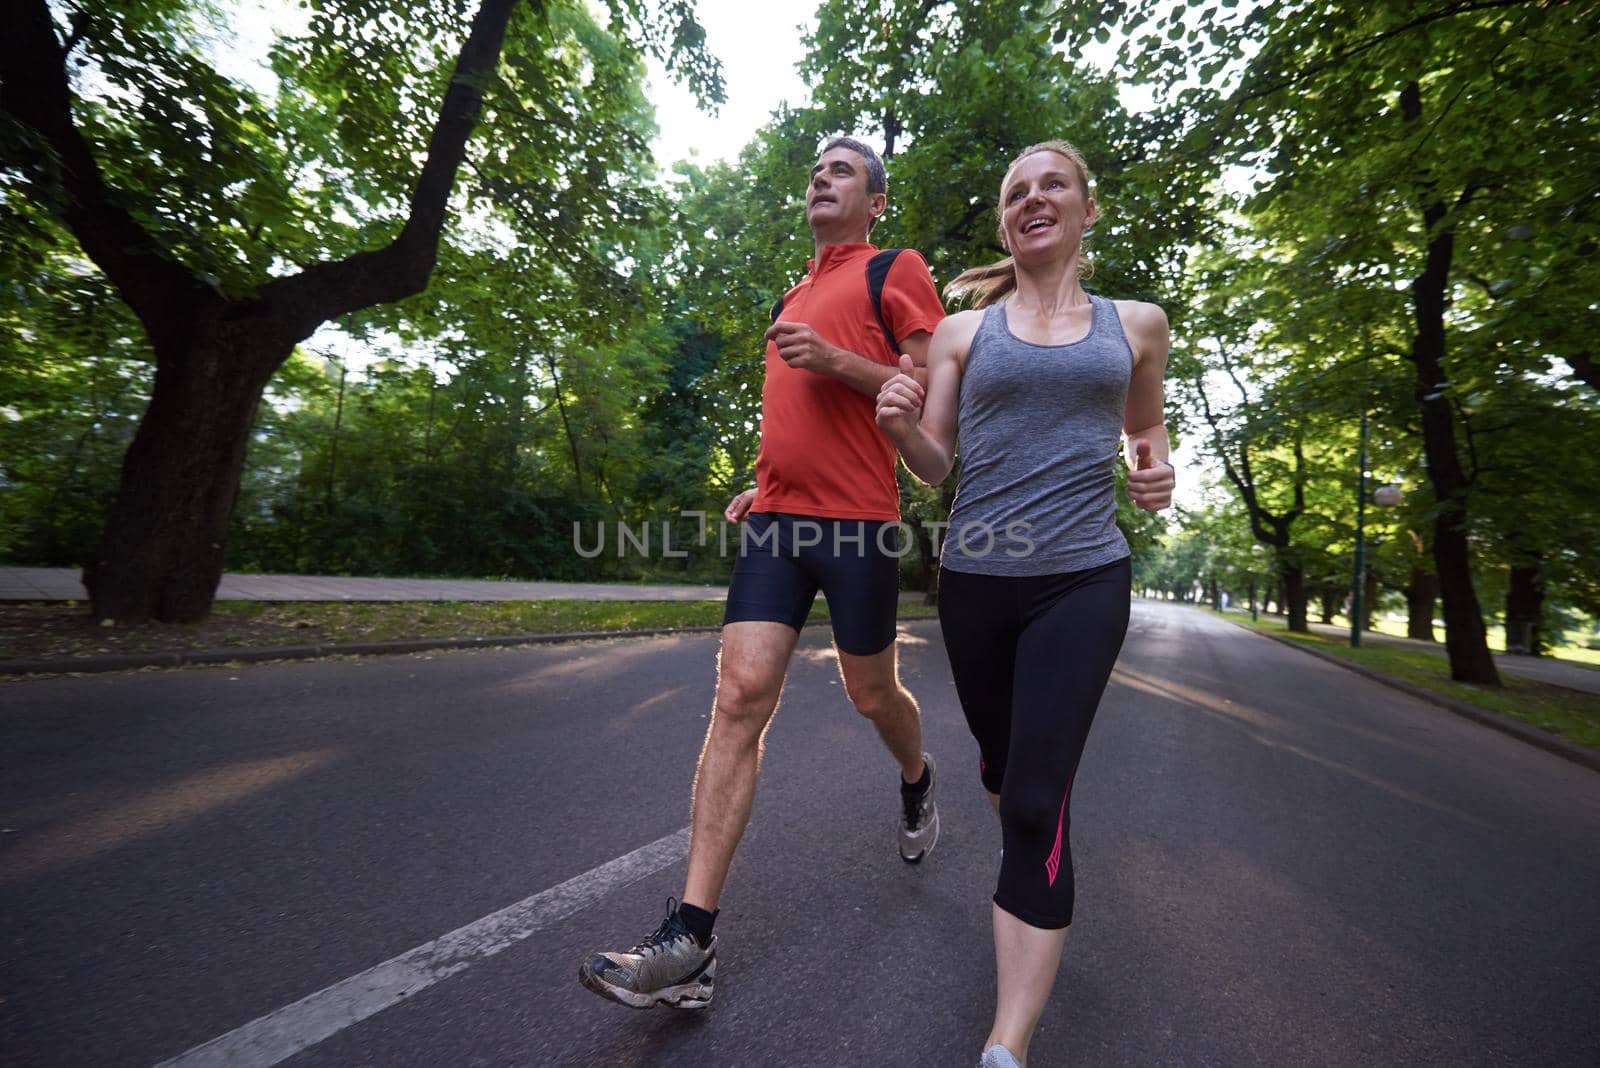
point(52, 152)
point(1227, 365)
point(1312, 70)
point(962, 231)
point(1244, 483)
point(80, 29)
point(1249, 419)
point(1246, 490)
point(402, 268)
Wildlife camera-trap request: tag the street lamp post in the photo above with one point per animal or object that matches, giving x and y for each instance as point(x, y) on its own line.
point(1361, 539)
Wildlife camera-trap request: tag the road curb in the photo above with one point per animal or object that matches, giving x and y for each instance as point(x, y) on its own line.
point(1552, 743)
point(255, 654)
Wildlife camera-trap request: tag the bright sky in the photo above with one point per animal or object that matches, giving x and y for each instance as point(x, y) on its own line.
point(759, 43)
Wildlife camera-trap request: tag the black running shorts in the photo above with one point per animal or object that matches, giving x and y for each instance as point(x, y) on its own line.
point(785, 559)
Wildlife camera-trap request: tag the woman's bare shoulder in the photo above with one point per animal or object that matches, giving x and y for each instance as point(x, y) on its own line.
point(962, 322)
point(953, 336)
point(1142, 315)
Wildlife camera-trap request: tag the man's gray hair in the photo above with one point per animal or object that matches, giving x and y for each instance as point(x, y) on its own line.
point(877, 178)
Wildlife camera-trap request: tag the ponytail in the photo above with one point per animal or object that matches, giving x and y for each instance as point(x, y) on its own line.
point(996, 281)
point(984, 285)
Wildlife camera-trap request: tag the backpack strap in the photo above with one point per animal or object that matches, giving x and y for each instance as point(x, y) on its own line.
point(877, 274)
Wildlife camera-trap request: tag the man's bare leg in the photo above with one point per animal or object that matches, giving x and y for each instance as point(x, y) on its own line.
point(750, 671)
point(678, 964)
point(873, 685)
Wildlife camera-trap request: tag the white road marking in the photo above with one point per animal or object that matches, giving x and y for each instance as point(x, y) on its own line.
point(279, 1035)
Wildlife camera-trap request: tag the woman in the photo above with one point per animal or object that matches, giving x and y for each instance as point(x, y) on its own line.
point(1040, 379)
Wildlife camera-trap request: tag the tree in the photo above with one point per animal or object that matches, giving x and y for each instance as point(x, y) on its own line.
point(1535, 511)
point(1403, 143)
point(1272, 525)
point(181, 186)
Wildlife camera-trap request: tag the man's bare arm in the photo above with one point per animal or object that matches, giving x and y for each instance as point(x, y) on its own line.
point(804, 349)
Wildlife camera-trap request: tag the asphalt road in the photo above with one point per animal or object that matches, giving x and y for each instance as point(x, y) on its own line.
point(1278, 862)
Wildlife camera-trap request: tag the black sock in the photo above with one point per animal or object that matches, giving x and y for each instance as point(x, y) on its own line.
point(698, 920)
point(921, 785)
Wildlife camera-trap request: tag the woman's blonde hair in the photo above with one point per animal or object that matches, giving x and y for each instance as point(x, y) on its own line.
point(985, 285)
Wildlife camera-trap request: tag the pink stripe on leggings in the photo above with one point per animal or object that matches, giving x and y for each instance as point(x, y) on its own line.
point(1052, 864)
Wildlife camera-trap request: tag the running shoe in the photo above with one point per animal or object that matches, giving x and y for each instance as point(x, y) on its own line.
point(667, 968)
point(919, 819)
point(998, 1056)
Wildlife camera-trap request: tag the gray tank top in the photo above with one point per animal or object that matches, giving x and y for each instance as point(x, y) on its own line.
point(1039, 428)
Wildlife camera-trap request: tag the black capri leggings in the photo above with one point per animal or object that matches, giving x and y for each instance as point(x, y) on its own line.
point(1031, 657)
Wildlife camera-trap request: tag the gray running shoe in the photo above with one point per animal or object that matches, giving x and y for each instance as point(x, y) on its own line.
point(999, 1057)
point(919, 819)
point(667, 968)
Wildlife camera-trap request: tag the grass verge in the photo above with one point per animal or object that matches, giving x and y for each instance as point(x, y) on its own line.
point(1497, 641)
point(1569, 713)
point(66, 629)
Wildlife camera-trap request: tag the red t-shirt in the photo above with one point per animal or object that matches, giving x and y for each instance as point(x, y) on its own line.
point(822, 453)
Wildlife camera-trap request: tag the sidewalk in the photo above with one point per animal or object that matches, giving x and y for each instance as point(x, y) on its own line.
point(1567, 673)
point(62, 584)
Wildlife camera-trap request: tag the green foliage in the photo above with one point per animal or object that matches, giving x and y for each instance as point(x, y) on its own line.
point(739, 241)
point(73, 380)
point(1317, 270)
point(1209, 552)
point(590, 347)
point(956, 91)
point(533, 309)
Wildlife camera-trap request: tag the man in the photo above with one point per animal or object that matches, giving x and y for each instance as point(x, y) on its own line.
point(825, 493)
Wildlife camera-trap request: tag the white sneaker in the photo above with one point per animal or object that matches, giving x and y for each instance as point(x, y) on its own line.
point(998, 1056)
point(667, 968)
point(919, 820)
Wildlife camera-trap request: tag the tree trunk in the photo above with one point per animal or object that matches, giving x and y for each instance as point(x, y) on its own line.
point(1466, 640)
point(161, 554)
point(1525, 611)
point(1421, 593)
point(1294, 596)
point(1329, 600)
